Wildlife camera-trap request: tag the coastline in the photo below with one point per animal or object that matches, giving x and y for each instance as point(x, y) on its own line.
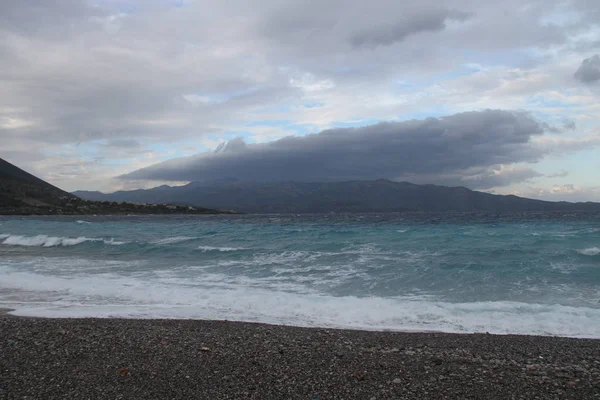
point(154, 359)
point(116, 213)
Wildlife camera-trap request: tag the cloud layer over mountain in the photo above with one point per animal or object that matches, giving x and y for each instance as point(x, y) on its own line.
point(468, 148)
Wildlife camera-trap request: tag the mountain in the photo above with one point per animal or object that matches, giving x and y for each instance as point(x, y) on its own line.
point(22, 194)
point(20, 189)
point(352, 196)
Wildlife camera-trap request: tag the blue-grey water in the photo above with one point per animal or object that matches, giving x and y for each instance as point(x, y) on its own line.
point(528, 274)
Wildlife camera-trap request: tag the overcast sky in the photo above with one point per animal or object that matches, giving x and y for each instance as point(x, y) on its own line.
point(121, 94)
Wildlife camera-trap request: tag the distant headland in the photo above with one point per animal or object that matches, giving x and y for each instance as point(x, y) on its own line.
point(380, 195)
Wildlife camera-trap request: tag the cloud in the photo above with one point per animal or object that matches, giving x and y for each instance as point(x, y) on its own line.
point(559, 144)
point(499, 176)
point(569, 125)
point(112, 73)
point(565, 192)
point(56, 20)
point(565, 189)
point(589, 70)
point(407, 25)
point(123, 144)
point(485, 177)
point(468, 148)
point(561, 174)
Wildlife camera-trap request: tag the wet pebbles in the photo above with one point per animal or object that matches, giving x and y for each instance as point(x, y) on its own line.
point(184, 359)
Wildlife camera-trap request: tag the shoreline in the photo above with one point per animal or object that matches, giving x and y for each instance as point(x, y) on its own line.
point(7, 313)
point(152, 359)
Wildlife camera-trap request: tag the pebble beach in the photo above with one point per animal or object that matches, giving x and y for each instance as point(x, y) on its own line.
point(42, 358)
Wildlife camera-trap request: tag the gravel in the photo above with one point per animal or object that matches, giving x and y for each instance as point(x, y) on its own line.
point(184, 359)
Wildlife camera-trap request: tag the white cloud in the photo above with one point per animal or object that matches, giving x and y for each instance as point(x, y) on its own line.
point(561, 192)
point(565, 189)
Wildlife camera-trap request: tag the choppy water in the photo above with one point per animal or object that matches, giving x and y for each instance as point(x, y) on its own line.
point(532, 274)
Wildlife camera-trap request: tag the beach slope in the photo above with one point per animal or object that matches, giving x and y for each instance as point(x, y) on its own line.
point(182, 359)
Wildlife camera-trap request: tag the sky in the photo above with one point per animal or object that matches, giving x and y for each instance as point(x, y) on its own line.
point(107, 95)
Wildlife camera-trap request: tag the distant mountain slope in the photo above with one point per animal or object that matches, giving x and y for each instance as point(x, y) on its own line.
point(353, 196)
point(10, 172)
point(22, 193)
point(21, 189)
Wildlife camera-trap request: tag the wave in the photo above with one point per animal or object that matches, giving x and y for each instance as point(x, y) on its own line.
point(292, 259)
point(212, 248)
point(116, 295)
point(82, 222)
point(592, 251)
point(175, 239)
point(51, 241)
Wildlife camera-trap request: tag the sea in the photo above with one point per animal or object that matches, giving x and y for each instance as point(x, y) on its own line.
point(533, 273)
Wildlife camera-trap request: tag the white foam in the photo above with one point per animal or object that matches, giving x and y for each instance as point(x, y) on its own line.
point(592, 251)
point(43, 240)
point(50, 241)
point(563, 268)
point(175, 239)
point(152, 296)
point(287, 257)
point(83, 222)
point(114, 242)
point(212, 248)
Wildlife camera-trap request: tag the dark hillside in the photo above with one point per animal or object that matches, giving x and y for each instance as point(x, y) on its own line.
point(21, 189)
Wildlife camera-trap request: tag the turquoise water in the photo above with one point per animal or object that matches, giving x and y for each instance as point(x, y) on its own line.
point(533, 274)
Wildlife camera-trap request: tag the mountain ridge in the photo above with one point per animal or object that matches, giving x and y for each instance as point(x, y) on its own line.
point(349, 196)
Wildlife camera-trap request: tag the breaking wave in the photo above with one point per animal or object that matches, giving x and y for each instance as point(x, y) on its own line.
point(51, 241)
point(172, 240)
point(592, 251)
point(116, 295)
point(212, 248)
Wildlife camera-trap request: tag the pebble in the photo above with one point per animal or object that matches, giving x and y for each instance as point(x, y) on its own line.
point(158, 356)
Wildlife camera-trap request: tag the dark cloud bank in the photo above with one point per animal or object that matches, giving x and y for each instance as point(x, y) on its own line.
point(431, 21)
point(589, 70)
point(471, 149)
